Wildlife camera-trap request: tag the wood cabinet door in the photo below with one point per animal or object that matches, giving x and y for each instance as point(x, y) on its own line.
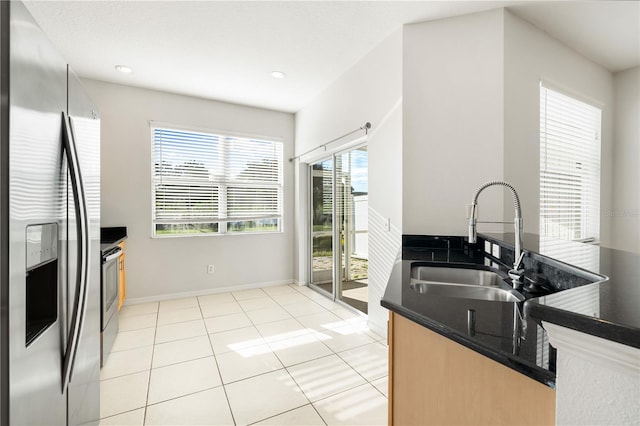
point(122, 289)
point(436, 381)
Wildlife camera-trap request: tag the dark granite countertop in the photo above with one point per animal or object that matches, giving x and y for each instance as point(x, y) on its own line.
point(501, 331)
point(599, 296)
point(609, 309)
point(110, 237)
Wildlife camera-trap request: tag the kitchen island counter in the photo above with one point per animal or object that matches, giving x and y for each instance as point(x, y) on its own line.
point(604, 304)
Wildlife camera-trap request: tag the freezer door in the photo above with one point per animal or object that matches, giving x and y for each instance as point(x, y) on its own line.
point(84, 386)
point(4, 212)
point(37, 200)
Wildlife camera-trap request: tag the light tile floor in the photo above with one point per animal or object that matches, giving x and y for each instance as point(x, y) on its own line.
point(281, 355)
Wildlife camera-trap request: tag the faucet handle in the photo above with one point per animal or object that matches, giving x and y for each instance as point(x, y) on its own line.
point(518, 263)
point(517, 273)
point(517, 278)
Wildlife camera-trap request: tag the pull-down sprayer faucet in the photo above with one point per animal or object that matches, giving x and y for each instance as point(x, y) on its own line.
point(517, 223)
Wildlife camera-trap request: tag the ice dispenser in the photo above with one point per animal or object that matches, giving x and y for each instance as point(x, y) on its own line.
point(42, 279)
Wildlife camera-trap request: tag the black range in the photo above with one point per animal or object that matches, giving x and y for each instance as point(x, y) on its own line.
point(109, 286)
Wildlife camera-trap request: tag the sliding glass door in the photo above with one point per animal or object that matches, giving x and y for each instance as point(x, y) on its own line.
point(339, 204)
point(351, 198)
point(322, 226)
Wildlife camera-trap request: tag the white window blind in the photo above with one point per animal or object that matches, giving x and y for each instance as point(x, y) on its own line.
point(569, 169)
point(206, 183)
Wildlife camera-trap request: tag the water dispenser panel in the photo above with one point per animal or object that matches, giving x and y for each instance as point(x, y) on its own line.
point(41, 279)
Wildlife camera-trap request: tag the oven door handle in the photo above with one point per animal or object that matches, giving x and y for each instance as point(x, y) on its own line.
point(82, 229)
point(112, 256)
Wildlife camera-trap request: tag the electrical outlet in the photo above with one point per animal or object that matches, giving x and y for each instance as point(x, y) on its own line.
point(487, 247)
point(211, 269)
point(496, 251)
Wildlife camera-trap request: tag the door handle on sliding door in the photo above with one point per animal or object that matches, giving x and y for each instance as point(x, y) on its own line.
point(82, 229)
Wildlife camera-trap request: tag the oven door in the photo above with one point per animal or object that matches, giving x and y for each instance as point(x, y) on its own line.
point(110, 282)
point(109, 313)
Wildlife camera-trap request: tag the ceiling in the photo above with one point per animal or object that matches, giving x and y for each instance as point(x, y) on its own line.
point(226, 50)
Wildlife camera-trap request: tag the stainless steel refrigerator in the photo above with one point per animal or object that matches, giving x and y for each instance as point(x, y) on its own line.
point(49, 233)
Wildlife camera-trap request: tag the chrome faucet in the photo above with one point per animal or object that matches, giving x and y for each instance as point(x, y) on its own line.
point(517, 272)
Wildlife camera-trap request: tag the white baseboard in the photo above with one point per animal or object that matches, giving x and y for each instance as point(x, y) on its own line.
point(380, 329)
point(240, 287)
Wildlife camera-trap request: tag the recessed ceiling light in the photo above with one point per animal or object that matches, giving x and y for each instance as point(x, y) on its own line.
point(278, 74)
point(124, 69)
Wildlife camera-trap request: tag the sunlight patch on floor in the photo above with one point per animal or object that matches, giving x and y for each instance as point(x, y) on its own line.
point(253, 347)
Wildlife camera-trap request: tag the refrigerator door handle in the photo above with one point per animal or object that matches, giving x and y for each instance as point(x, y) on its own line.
point(82, 228)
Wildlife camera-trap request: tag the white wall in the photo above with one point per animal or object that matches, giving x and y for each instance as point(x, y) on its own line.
point(172, 266)
point(530, 56)
point(625, 214)
point(598, 380)
point(370, 91)
point(453, 121)
point(471, 115)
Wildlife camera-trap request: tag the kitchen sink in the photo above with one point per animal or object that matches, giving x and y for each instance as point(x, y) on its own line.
point(465, 291)
point(476, 277)
point(464, 283)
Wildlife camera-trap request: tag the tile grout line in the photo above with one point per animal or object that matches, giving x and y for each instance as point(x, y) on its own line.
point(305, 395)
point(136, 347)
point(271, 348)
point(324, 310)
point(326, 356)
point(357, 372)
point(215, 359)
point(280, 360)
point(153, 351)
point(339, 392)
point(343, 360)
point(119, 414)
point(173, 398)
point(285, 367)
point(132, 373)
point(198, 391)
point(288, 411)
point(182, 362)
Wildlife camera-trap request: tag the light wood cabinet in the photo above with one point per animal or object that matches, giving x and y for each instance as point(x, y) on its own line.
point(436, 381)
point(122, 289)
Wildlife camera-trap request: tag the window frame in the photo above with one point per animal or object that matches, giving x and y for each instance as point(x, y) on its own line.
point(222, 185)
point(575, 172)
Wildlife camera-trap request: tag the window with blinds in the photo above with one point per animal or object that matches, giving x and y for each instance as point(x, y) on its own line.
point(569, 169)
point(208, 183)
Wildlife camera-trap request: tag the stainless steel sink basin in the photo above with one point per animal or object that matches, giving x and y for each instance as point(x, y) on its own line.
point(476, 277)
point(466, 291)
point(478, 284)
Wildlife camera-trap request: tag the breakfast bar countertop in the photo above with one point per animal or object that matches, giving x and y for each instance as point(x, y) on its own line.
point(600, 296)
point(501, 332)
point(609, 309)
